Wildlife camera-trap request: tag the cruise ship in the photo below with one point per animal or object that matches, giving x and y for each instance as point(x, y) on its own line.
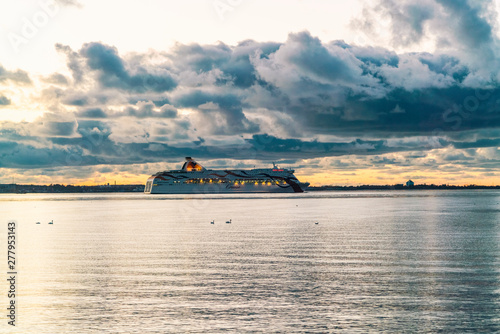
point(193, 178)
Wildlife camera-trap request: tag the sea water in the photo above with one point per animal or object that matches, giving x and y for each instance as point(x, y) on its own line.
point(318, 262)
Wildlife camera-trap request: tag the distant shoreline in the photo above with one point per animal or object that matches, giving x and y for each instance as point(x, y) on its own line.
point(130, 188)
point(61, 188)
point(402, 187)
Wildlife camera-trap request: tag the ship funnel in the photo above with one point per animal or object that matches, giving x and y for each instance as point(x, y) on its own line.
point(192, 166)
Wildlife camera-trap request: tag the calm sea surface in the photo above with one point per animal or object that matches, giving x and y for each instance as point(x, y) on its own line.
point(388, 261)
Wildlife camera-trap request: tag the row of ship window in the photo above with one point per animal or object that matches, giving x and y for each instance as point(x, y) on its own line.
point(264, 182)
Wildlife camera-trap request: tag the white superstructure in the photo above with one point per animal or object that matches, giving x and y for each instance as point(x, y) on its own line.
point(193, 178)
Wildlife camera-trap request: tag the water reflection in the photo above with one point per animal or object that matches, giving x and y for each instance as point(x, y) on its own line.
point(379, 263)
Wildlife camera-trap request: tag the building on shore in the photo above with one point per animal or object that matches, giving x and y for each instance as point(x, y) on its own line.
point(410, 184)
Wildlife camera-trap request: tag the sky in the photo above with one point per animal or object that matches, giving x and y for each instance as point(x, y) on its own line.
point(345, 92)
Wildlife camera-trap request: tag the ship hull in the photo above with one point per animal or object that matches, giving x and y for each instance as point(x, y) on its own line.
point(214, 188)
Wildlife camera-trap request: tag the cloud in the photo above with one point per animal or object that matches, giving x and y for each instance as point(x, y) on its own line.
point(408, 19)
point(472, 28)
point(301, 99)
point(57, 79)
point(148, 109)
point(4, 101)
point(142, 109)
point(111, 71)
point(57, 129)
point(219, 64)
point(322, 63)
point(73, 62)
point(412, 74)
point(18, 76)
point(459, 27)
point(325, 87)
point(229, 106)
point(75, 100)
point(303, 69)
point(92, 113)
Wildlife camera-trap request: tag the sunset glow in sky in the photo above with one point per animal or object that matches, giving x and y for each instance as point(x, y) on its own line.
point(358, 92)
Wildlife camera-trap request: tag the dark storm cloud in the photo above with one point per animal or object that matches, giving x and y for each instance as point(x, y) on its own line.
point(28, 156)
point(421, 112)
point(480, 143)
point(92, 113)
point(294, 148)
point(326, 88)
point(310, 56)
point(457, 157)
point(201, 57)
point(445, 65)
point(266, 146)
point(142, 109)
point(234, 63)
point(113, 74)
point(94, 146)
point(379, 93)
point(303, 98)
point(59, 128)
point(197, 97)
